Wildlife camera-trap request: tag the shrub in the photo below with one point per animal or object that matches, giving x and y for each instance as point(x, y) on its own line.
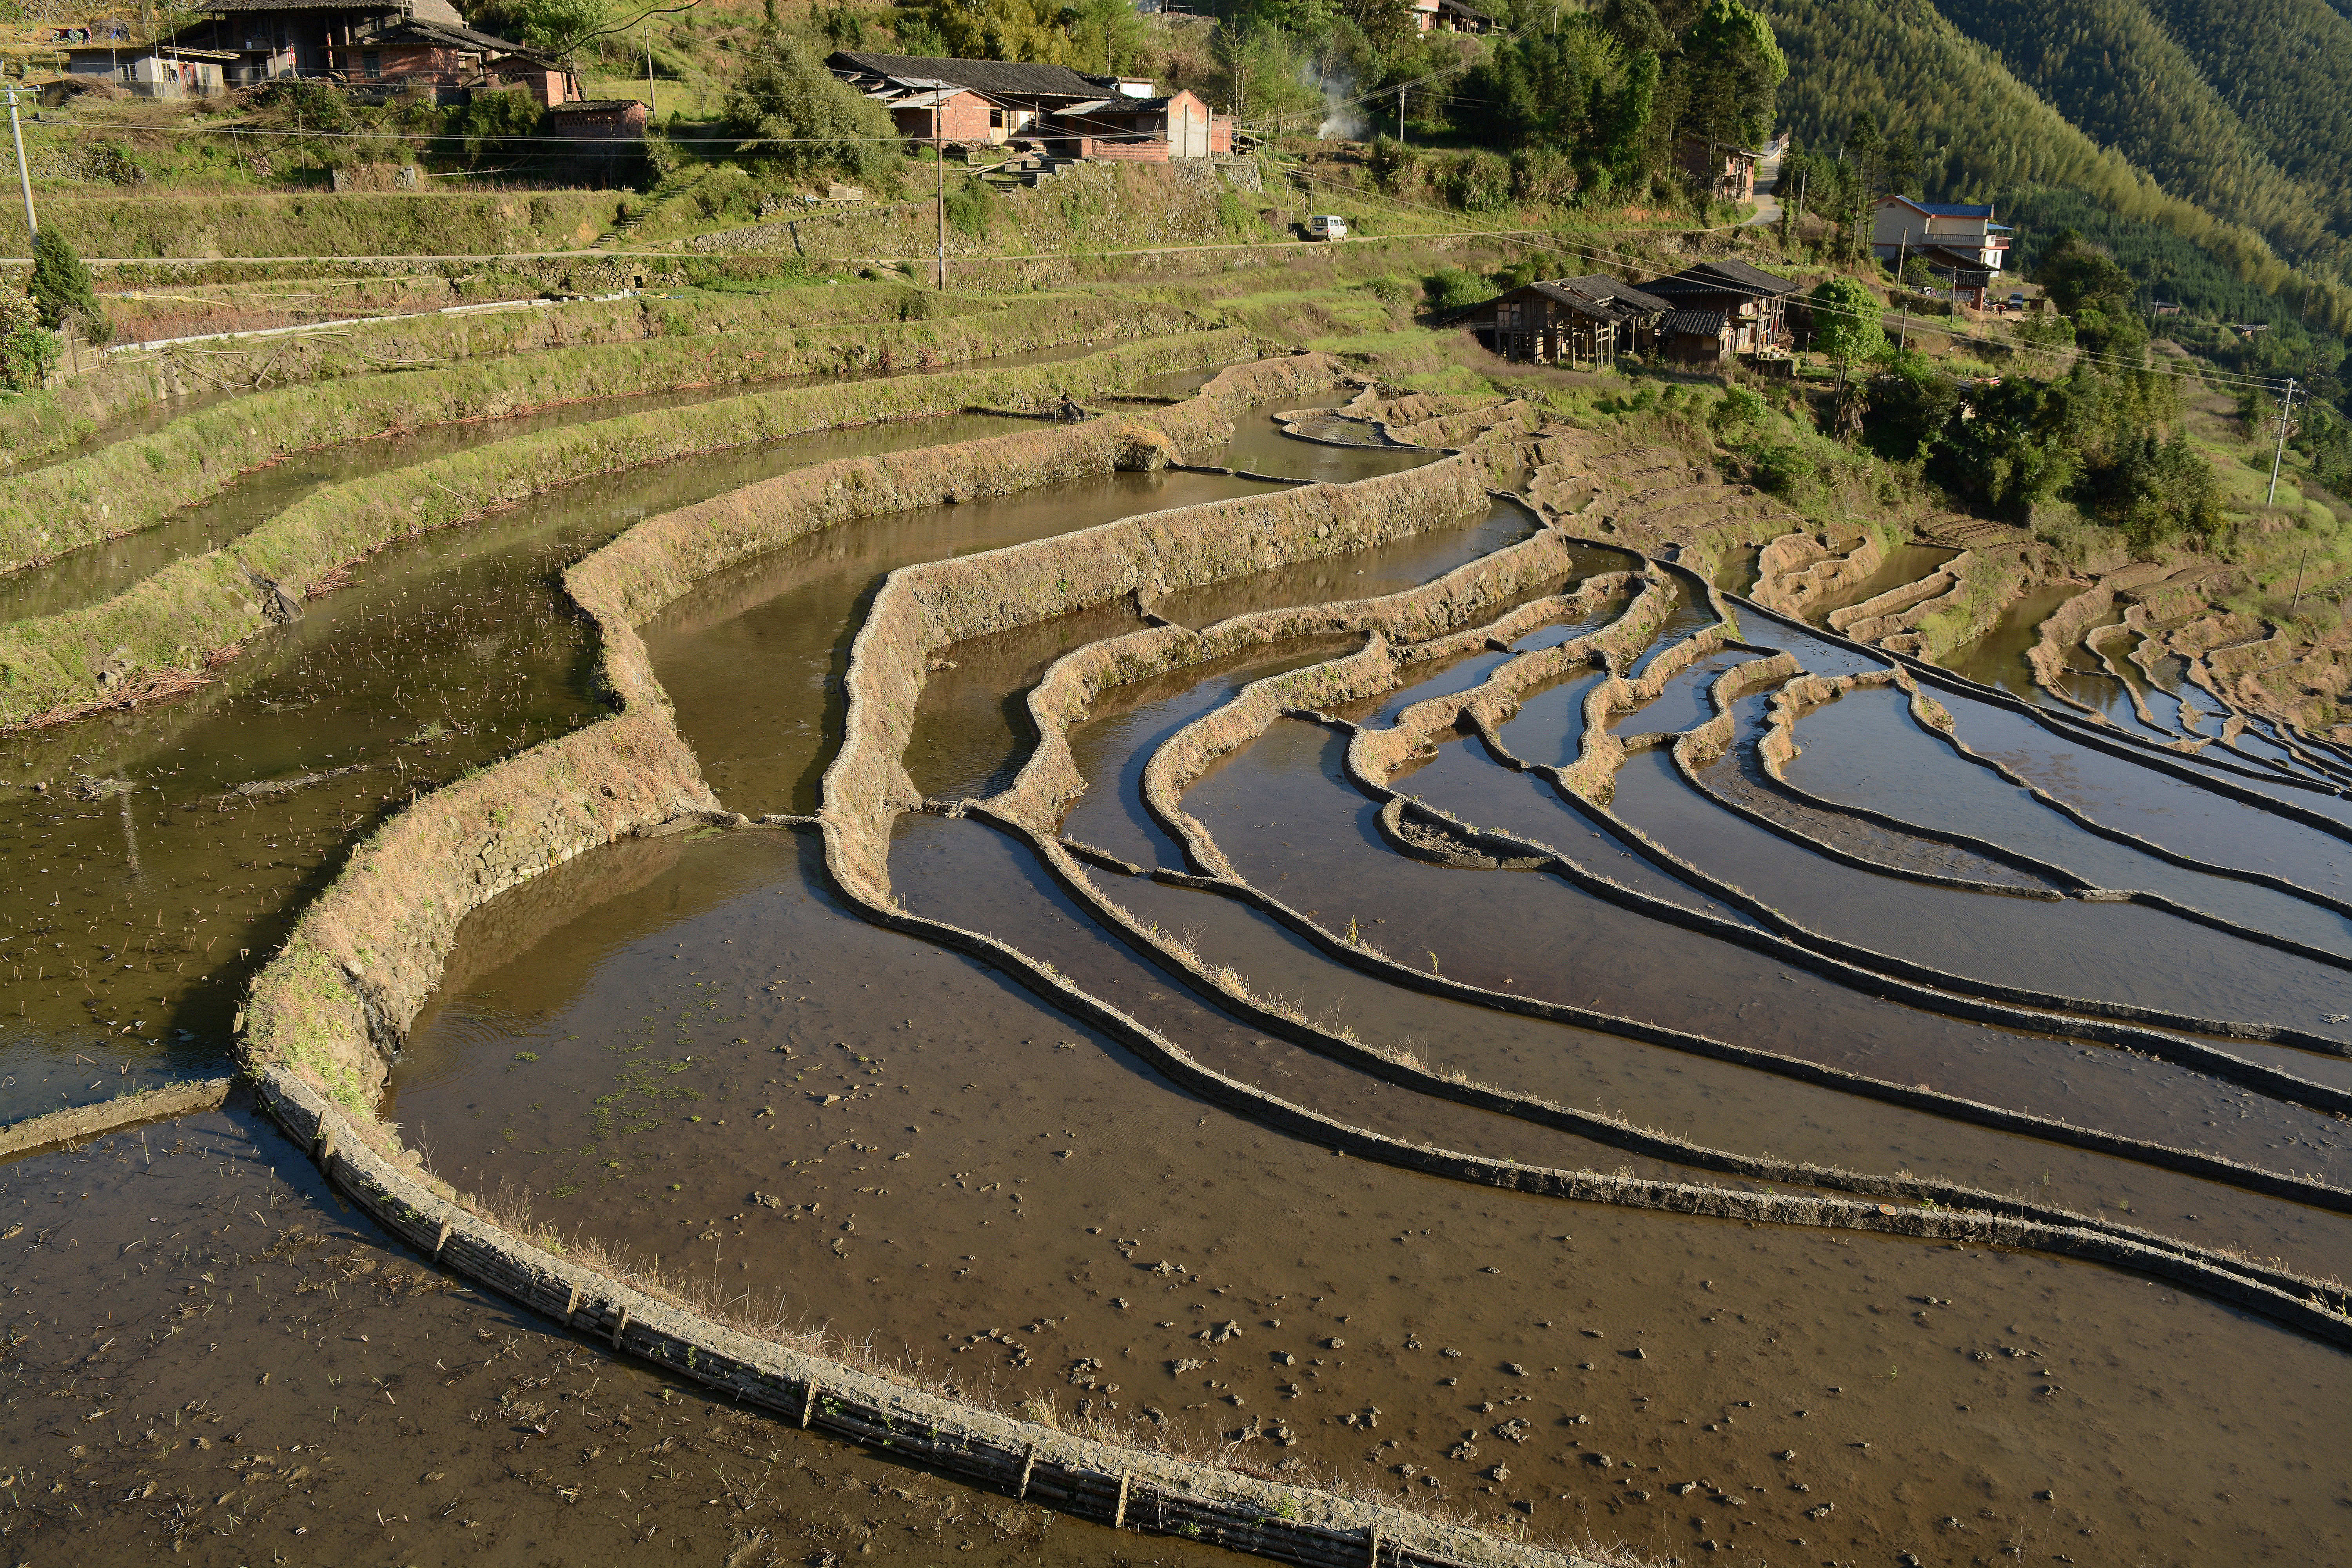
point(485, 123)
point(1394, 166)
point(26, 353)
point(1786, 470)
point(1740, 409)
point(1451, 288)
point(804, 119)
point(1479, 182)
point(1543, 176)
point(971, 206)
point(60, 287)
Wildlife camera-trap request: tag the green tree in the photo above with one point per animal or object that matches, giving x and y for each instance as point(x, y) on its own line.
point(2159, 491)
point(61, 289)
point(2079, 275)
point(1106, 36)
point(1734, 68)
point(1035, 31)
point(1387, 26)
point(485, 126)
point(1262, 74)
point(802, 118)
point(1845, 324)
point(559, 28)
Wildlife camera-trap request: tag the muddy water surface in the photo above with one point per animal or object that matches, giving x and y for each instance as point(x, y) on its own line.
point(1904, 564)
point(213, 1361)
point(1998, 657)
point(689, 1050)
point(1155, 1261)
point(753, 656)
point(148, 861)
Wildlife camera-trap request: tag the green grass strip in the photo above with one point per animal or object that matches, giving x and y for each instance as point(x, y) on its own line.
point(157, 635)
point(34, 424)
point(134, 484)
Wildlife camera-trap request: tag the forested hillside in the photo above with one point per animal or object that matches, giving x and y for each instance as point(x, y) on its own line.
point(2120, 100)
point(2111, 67)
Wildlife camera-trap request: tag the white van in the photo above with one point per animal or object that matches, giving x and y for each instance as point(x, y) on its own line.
point(1327, 225)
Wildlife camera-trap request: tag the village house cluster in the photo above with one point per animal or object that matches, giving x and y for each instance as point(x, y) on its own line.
point(1050, 110)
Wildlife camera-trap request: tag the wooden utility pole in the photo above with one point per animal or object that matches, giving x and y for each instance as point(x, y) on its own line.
point(2297, 603)
point(2286, 407)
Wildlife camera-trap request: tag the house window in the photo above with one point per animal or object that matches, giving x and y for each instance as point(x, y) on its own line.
point(371, 65)
point(996, 119)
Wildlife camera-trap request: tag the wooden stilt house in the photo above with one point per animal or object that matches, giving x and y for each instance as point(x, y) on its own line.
point(1576, 324)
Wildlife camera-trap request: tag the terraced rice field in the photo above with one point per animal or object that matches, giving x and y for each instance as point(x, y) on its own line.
point(1275, 967)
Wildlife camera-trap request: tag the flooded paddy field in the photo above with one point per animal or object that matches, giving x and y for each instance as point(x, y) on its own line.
point(1375, 941)
point(146, 858)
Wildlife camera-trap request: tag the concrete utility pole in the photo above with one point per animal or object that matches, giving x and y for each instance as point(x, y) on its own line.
point(1401, 117)
point(24, 174)
point(939, 145)
point(2286, 407)
point(1902, 255)
point(653, 104)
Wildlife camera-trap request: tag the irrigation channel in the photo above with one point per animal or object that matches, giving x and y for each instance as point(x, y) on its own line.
point(1466, 1041)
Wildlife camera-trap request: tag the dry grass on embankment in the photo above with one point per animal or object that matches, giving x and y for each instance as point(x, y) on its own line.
point(134, 483)
point(316, 223)
point(163, 629)
point(33, 428)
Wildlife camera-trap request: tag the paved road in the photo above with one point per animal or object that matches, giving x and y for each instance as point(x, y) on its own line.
point(1767, 182)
